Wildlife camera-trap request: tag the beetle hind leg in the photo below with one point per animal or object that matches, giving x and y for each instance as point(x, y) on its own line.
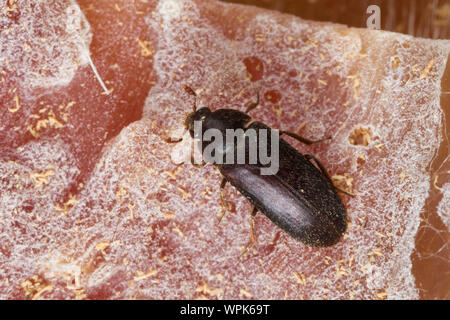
point(223, 202)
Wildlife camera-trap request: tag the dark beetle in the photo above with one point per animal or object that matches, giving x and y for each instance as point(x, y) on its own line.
point(299, 198)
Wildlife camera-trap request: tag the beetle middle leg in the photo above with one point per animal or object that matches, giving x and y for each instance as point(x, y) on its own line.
point(302, 139)
point(324, 171)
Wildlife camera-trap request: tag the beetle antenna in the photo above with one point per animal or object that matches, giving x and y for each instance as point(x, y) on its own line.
point(192, 93)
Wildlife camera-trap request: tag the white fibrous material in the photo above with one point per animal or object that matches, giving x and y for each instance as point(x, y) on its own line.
point(43, 42)
point(443, 209)
point(33, 213)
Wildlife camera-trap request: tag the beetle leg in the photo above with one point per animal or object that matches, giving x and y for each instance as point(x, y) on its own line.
point(325, 172)
point(302, 139)
point(252, 232)
point(252, 225)
point(202, 164)
point(196, 164)
point(223, 201)
point(170, 140)
point(253, 105)
point(192, 93)
point(245, 250)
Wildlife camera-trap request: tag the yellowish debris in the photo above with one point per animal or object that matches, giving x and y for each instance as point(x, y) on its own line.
point(171, 174)
point(260, 37)
point(142, 276)
point(67, 205)
point(402, 175)
point(377, 252)
point(170, 215)
point(35, 287)
point(184, 192)
point(79, 294)
point(122, 191)
point(301, 279)
point(146, 47)
point(395, 63)
point(427, 69)
point(178, 230)
point(343, 180)
point(277, 111)
point(17, 104)
point(240, 94)
point(243, 293)
point(50, 121)
point(40, 178)
point(381, 295)
point(206, 289)
point(101, 246)
point(360, 136)
point(131, 208)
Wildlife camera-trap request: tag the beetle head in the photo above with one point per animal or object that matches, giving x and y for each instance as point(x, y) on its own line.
point(199, 115)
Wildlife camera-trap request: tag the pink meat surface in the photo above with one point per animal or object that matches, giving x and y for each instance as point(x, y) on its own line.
point(94, 204)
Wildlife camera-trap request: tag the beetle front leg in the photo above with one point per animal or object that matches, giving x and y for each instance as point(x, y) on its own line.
point(302, 139)
point(325, 172)
point(197, 165)
point(253, 105)
point(202, 164)
point(170, 140)
point(192, 93)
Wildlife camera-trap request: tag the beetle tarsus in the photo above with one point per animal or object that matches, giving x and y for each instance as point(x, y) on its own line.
point(170, 140)
point(253, 105)
point(246, 249)
point(302, 139)
point(197, 165)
